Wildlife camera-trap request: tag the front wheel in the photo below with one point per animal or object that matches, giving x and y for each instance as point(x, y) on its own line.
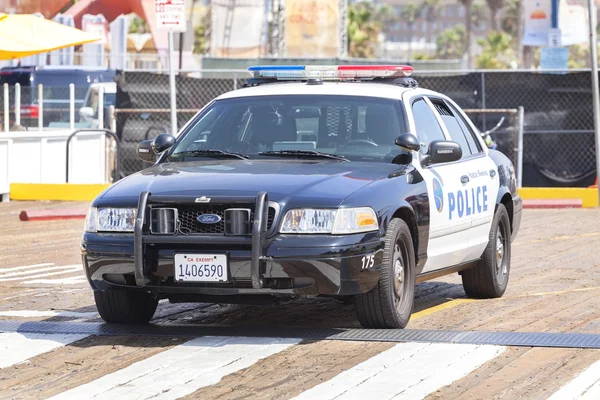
point(390, 303)
point(489, 278)
point(125, 306)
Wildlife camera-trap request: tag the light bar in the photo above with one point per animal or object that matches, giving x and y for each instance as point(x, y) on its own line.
point(331, 72)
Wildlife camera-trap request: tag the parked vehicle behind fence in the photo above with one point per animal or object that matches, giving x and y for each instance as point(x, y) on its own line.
point(55, 81)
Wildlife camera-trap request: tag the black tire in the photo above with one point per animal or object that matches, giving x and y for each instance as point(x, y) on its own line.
point(125, 306)
point(390, 303)
point(489, 278)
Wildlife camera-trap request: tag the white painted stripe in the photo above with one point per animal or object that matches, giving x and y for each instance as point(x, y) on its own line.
point(181, 370)
point(18, 347)
point(585, 386)
point(49, 313)
point(406, 371)
point(3, 270)
point(73, 268)
point(72, 280)
point(37, 271)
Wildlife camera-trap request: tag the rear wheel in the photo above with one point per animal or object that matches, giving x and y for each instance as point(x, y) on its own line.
point(489, 278)
point(390, 303)
point(125, 306)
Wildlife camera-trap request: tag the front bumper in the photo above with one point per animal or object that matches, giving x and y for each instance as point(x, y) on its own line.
point(258, 264)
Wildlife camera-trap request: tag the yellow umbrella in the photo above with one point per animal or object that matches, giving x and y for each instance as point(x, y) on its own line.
point(22, 35)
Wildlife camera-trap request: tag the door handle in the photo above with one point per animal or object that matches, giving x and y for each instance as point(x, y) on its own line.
point(492, 173)
point(464, 179)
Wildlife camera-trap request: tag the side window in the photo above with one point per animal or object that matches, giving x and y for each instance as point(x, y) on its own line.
point(469, 134)
point(427, 125)
point(454, 128)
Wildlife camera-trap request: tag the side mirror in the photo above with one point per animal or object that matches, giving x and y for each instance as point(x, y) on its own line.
point(408, 142)
point(145, 151)
point(86, 113)
point(442, 151)
point(162, 142)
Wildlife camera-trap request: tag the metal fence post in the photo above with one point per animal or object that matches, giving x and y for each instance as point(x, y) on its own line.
point(520, 148)
point(235, 81)
point(483, 105)
point(101, 107)
point(41, 107)
point(112, 118)
point(72, 106)
point(17, 103)
point(6, 100)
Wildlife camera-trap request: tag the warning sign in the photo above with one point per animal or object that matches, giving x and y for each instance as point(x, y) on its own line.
point(170, 15)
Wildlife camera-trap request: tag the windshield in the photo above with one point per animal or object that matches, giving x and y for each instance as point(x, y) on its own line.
point(356, 128)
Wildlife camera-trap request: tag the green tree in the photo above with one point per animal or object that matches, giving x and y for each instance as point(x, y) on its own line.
point(138, 25)
point(200, 34)
point(410, 14)
point(365, 22)
point(496, 51)
point(450, 44)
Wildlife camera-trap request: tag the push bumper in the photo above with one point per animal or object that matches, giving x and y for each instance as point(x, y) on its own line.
point(263, 263)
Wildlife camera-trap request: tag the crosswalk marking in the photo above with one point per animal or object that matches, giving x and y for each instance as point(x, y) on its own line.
point(585, 386)
point(3, 270)
point(40, 273)
point(73, 280)
point(182, 370)
point(21, 273)
point(49, 313)
point(406, 371)
point(18, 347)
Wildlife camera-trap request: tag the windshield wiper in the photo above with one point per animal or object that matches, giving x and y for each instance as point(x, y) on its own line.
point(209, 153)
point(302, 153)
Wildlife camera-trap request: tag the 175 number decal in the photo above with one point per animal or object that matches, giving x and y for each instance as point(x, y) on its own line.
point(368, 261)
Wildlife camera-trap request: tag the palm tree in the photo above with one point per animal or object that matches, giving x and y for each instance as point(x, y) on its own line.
point(450, 44)
point(496, 51)
point(411, 13)
point(468, 4)
point(494, 6)
point(430, 10)
point(364, 27)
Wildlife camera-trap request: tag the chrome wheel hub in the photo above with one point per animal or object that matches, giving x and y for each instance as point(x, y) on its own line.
point(398, 273)
point(500, 267)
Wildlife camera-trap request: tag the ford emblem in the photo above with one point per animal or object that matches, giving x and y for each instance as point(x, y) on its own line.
point(208, 218)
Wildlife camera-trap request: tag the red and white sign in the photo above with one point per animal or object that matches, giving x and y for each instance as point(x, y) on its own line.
point(170, 15)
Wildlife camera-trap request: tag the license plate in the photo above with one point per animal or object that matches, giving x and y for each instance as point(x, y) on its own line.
point(200, 268)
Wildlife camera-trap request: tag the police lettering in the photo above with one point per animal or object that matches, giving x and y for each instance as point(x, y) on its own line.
point(467, 202)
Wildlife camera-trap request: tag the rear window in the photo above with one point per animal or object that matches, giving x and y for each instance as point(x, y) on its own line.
point(13, 77)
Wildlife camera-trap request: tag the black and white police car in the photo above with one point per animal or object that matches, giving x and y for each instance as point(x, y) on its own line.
point(348, 181)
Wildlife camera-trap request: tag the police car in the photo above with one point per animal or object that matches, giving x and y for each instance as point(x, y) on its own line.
point(341, 181)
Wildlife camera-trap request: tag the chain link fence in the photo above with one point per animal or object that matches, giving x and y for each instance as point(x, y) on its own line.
point(558, 140)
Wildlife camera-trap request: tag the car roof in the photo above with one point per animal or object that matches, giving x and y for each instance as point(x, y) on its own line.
point(109, 87)
point(368, 89)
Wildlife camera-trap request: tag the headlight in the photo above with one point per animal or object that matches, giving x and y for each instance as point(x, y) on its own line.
point(355, 220)
point(308, 221)
point(91, 220)
point(110, 219)
point(340, 221)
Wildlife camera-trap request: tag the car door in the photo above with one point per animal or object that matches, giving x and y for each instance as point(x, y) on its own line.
point(449, 222)
point(483, 174)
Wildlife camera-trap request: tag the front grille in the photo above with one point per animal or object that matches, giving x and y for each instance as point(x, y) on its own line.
point(188, 217)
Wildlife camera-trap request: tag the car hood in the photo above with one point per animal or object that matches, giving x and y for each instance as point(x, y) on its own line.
point(322, 183)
